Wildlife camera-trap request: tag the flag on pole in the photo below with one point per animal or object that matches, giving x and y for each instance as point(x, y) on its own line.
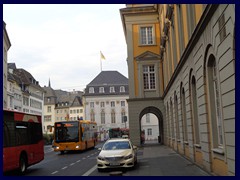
point(102, 56)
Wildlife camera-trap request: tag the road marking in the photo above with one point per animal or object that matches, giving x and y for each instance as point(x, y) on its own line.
point(64, 167)
point(84, 158)
point(54, 172)
point(90, 171)
point(72, 164)
point(88, 156)
point(78, 161)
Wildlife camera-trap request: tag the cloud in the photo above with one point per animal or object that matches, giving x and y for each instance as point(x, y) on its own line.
point(63, 42)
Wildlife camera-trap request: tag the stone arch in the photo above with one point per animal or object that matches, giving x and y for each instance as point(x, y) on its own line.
point(158, 114)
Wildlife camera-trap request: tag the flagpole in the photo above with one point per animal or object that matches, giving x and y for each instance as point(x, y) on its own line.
point(100, 64)
point(101, 57)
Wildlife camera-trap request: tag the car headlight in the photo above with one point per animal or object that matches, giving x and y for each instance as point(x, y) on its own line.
point(101, 158)
point(128, 157)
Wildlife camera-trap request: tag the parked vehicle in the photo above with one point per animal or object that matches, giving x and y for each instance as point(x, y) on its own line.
point(22, 140)
point(115, 153)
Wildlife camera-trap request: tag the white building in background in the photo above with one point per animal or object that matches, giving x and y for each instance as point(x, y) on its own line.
point(149, 124)
point(105, 100)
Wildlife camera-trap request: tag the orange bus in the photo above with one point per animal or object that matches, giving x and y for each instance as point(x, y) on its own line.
point(74, 135)
point(22, 140)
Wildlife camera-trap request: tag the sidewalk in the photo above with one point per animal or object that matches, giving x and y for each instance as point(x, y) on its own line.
point(160, 160)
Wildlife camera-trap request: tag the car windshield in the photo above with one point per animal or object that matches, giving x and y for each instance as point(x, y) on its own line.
point(116, 145)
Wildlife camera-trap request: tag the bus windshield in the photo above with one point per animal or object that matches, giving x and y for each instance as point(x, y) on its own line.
point(66, 132)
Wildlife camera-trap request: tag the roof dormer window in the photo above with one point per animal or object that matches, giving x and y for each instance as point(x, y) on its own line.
point(91, 90)
point(112, 89)
point(101, 90)
point(122, 89)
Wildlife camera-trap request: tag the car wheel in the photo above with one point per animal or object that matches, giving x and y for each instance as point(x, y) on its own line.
point(22, 164)
point(135, 162)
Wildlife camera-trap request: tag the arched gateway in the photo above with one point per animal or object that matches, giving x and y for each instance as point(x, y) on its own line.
point(158, 114)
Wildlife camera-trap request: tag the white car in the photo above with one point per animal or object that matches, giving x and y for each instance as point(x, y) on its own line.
point(117, 153)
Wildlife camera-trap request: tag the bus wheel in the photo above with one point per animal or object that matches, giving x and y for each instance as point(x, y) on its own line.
point(23, 164)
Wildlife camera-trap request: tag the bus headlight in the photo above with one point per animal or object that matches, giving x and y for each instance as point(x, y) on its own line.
point(77, 146)
point(57, 147)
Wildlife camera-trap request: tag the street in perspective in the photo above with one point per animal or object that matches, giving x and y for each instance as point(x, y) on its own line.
point(153, 160)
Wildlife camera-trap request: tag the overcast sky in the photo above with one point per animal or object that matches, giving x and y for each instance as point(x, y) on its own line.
point(63, 42)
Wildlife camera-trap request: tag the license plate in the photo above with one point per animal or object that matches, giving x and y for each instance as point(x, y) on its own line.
point(114, 164)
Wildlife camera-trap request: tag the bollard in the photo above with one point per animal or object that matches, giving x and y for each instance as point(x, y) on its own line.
point(116, 173)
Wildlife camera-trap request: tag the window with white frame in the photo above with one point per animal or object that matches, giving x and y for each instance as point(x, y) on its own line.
point(101, 90)
point(147, 118)
point(112, 103)
point(91, 90)
point(122, 103)
point(91, 104)
point(146, 35)
point(112, 89)
point(102, 104)
point(49, 109)
point(122, 89)
point(149, 77)
point(149, 132)
point(113, 117)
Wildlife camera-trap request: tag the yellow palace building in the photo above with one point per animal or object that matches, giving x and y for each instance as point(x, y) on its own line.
point(181, 65)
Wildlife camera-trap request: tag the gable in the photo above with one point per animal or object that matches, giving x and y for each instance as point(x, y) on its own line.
point(147, 56)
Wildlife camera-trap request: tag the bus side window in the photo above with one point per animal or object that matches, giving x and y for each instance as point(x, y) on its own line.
point(6, 135)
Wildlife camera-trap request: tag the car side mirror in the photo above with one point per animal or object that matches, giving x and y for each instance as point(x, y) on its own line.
point(135, 147)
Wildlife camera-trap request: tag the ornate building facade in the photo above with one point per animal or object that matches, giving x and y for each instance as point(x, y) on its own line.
point(105, 100)
point(181, 64)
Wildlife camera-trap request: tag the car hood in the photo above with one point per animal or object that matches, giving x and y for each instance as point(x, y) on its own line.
point(115, 153)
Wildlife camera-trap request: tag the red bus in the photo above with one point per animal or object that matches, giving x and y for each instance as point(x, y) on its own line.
point(118, 132)
point(22, 140)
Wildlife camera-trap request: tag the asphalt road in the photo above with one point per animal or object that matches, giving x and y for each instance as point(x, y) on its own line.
point(68, 164)
point(152, 161)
